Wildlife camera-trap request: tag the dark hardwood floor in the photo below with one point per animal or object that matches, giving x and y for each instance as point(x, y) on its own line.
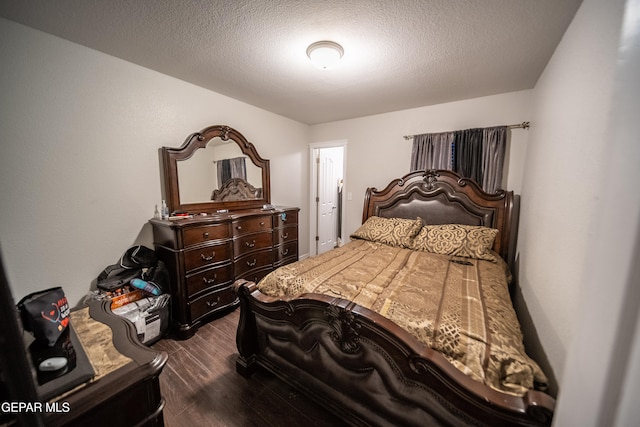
point(201, 387)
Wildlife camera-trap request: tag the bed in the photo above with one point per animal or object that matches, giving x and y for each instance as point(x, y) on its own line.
point(411, 322)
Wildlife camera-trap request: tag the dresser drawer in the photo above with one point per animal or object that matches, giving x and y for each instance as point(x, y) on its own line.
point(209, 278)
point(288, 250)
point(208, 255)
point(252, 225)
point(286, 218)
point(253, 261)
point(198, 235)
point(284, 235)
point(211, 302)
point(252, 242)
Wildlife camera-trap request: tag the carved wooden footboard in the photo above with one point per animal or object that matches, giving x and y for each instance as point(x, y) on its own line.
point(366, 369)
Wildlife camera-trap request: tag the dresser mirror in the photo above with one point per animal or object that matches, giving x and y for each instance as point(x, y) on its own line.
point(215, 169)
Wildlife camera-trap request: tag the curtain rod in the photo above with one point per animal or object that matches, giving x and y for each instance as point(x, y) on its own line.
point(523, 125)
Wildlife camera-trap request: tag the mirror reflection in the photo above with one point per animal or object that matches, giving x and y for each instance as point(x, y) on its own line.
point(219, 172)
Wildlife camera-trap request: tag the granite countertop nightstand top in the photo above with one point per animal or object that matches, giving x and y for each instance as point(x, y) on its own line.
point(97, 341)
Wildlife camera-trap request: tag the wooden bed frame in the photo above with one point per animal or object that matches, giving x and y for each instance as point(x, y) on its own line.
point(362, 366)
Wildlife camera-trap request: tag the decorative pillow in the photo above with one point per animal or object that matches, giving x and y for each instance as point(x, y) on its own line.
point(467, 241)
point(391, 231)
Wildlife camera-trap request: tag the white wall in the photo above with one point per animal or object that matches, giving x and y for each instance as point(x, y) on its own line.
point(79, 169)
point(563, 173)
point(601, 374)
point(378, 153)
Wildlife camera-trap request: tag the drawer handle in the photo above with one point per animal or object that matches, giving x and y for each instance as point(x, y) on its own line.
point(285, 236)
point(205, 234)
point(238, 227)
point(262, 224)
point(285, 252)
point(208, 258)
point(213, 303)
point(210, 281)
point(252, 263)
point(250, 244)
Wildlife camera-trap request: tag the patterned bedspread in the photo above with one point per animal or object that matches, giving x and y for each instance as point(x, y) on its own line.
point(458, 306)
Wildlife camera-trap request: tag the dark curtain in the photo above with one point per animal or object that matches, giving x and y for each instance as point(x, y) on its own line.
point(494, 145)
point(473, 153)
point(467, 148)
point(231, 168)
point(432, 151)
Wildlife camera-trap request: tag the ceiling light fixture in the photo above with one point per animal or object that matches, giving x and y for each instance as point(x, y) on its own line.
point(325, 54)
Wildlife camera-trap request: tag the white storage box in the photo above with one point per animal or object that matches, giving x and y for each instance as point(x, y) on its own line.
point(150, 315)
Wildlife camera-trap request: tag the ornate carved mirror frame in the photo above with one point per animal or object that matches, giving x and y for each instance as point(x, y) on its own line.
point(199, 140)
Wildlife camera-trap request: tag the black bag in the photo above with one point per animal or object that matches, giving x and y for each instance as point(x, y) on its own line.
point(115, 276)
point(128, 267)
point(137, 262)
point(45, 314)
point(158, 275)
point(138, 257)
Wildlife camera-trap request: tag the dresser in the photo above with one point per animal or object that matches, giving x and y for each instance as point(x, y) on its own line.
point(205, 254)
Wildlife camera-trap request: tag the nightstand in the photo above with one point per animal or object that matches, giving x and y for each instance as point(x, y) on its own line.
point(125, 390)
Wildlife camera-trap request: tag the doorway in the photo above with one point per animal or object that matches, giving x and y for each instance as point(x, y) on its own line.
point(327, 184)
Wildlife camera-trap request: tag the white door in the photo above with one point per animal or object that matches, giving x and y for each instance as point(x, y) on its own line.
point(329, 167)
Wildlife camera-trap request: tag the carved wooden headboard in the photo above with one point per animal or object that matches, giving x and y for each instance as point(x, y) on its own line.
point(236, 189)
point(444, 197)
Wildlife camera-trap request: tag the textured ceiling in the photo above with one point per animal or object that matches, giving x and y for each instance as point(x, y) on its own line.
point(398, 53)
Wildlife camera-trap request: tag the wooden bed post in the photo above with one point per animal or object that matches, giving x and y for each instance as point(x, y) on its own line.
point(247, 333)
